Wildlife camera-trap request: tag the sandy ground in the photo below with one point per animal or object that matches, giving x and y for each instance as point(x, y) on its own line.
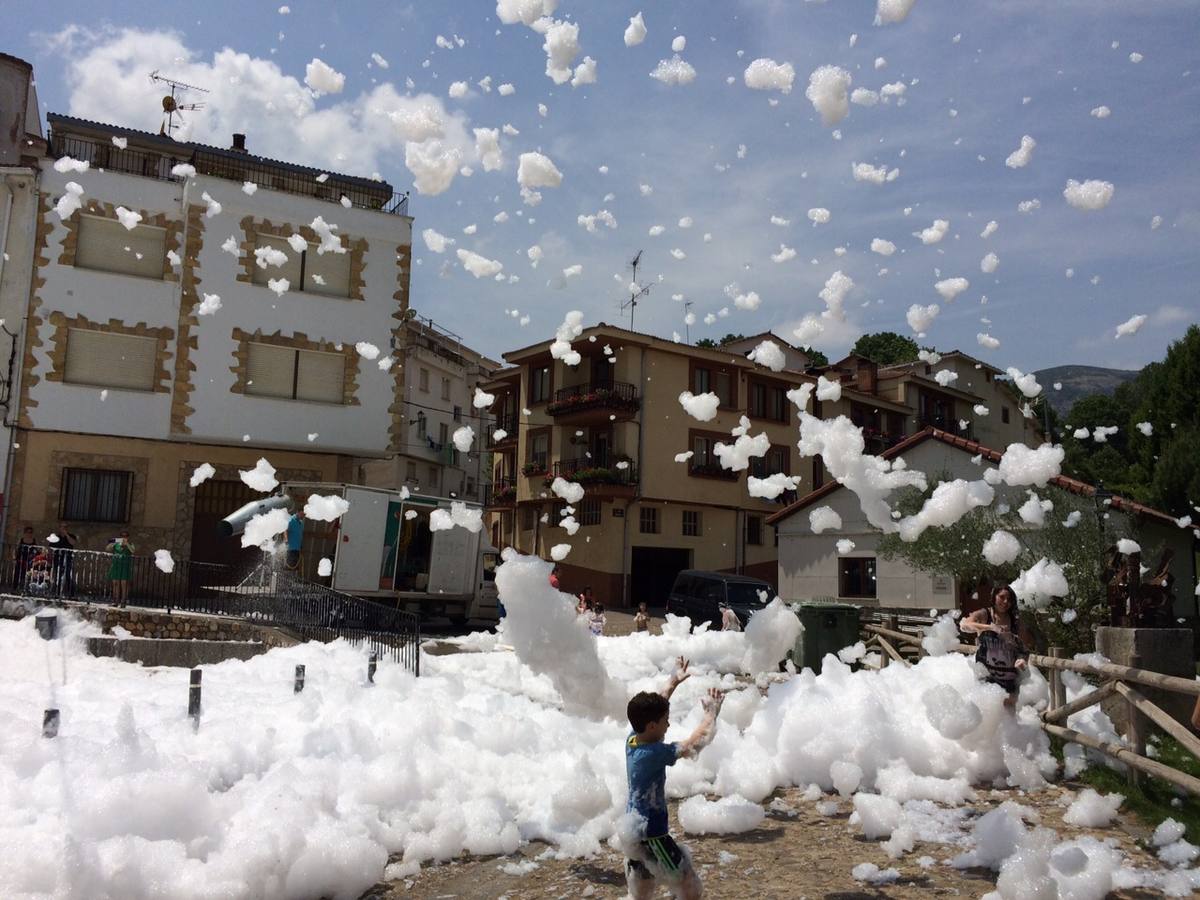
point(806, 855)
point(802, 854)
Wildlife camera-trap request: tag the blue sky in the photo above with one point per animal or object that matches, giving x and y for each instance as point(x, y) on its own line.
point(964, 98)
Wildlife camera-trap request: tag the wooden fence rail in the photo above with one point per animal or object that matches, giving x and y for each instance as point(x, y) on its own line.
point(1116, 680)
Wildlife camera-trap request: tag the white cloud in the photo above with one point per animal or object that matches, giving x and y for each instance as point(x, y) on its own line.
point(106, 81)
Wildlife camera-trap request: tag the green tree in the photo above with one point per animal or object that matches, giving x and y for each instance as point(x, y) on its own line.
point(816, 357)
point(728, 339)
point(886, 348)
point(1079, 548)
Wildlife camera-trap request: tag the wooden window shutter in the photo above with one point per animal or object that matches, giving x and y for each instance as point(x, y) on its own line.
point(270, 370)
point(289, 270)
point(111, 360)
point(321, 377)
point(107, 245)
point(332, 268)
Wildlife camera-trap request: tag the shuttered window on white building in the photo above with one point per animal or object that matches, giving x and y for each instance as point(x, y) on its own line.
point(331, 271)
point(295, 374)
point(107, 245)
point(306, 270)
point(290, 269)
point(320, 376)
point(101, 358)
point(270, 371)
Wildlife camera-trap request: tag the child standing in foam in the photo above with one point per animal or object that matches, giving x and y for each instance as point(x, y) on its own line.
point(597, 621)
point(642, 620)
point(657, 857)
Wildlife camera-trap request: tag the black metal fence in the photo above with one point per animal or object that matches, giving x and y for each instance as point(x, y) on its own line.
point(58, 573)
point(150, 164)
point(269, 594)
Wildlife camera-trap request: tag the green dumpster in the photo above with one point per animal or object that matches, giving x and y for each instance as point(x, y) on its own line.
point(828, 627)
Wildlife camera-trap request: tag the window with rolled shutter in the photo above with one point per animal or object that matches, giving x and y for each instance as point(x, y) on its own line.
point(270, 371)
point(291, 270)
point(107, 245)
point(126, 361)
point(327, 273)
point(321, 376)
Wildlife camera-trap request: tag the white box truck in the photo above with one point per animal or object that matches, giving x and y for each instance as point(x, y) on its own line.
point(382, 547)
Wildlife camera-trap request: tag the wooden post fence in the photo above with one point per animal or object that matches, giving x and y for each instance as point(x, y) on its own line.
point(1116, 679)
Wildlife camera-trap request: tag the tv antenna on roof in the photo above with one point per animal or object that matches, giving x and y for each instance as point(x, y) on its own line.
point(636, 291)
point(170, 103)
point(687, 328)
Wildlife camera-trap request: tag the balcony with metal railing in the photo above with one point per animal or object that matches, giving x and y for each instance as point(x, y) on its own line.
point(602, 477)
point(594, 402)
point(507, 425)
point(502, 493)
point(235, 166)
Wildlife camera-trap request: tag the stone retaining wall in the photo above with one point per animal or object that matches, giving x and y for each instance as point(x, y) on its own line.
point(147, 623)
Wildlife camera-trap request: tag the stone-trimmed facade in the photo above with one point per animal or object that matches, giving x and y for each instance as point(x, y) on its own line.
point(103, 210)
point(252, 228)
point(185, 495)
point(63, 324)
point(298, 341)
point(93, 535)
point(34, 322)
point(189, 299)
point(396, 436)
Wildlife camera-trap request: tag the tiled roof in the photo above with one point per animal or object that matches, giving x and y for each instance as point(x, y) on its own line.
point(1074, 485)
point(150, 137)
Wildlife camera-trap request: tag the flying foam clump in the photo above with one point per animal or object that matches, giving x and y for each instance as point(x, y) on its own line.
point(827, 89)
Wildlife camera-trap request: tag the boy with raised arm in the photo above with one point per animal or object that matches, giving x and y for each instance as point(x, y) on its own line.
point(646, 761)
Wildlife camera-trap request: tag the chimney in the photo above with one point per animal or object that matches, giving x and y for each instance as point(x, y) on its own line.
point(866, 376)
point(239, 143)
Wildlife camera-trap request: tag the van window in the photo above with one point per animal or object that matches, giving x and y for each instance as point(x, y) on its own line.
point(713, 591)
point(683, 585)
point(489, 567)
point(747, 594)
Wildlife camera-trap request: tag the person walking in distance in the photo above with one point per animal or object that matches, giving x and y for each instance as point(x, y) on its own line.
point(657, 858)
point(64, 560)
point(120, 571)
point(23, 555)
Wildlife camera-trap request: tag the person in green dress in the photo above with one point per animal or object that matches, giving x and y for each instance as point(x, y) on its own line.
point(120, 571)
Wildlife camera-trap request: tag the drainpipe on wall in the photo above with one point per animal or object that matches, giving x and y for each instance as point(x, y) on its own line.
point(626, 550)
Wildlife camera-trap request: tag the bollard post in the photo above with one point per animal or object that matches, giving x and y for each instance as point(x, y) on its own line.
point(50, 719)
point(1058, 689)
point(371, 664)
point(299, 685)
point(47, 626)
point(1135, 735)
point(194, 699)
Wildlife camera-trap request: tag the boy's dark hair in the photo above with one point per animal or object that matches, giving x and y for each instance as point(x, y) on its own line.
point(645, 708)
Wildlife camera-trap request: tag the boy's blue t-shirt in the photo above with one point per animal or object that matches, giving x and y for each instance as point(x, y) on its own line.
point(646, 768)
point(295, 533)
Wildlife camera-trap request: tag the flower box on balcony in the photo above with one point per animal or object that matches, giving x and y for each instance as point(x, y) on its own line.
point(534, 470)
point(713, 470)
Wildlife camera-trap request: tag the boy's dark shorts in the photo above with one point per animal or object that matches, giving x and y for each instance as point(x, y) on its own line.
point(664, 853)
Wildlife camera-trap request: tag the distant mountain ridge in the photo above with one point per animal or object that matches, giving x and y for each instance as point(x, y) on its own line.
point(1078, 382)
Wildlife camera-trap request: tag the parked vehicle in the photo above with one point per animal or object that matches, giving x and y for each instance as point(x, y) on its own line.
point(698, 595)
point(382, 547)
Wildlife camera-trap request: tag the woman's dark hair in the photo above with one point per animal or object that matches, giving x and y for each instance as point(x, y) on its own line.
point(645, 708)
point(598, 608)
point(1014, 612)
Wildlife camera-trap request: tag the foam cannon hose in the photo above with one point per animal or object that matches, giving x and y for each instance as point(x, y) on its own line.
point(235, 523)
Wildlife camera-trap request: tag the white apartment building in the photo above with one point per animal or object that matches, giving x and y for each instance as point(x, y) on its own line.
point(22, 145)
point(439, 391)
point(133, 375)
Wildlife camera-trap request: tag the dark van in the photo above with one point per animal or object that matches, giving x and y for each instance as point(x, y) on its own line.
point(697, 595)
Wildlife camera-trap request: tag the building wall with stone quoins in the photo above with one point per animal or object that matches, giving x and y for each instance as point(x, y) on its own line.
point(198, 391)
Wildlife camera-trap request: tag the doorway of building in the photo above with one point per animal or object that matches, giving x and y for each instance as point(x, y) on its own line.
point(652, 573)
point(214, 501)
